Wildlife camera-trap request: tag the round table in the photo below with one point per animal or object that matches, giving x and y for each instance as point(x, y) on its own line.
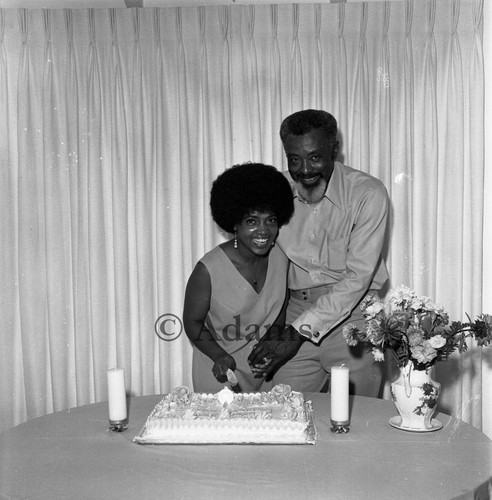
point(72, 454)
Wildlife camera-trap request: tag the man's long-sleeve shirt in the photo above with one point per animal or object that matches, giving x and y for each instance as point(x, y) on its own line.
point(338, 242)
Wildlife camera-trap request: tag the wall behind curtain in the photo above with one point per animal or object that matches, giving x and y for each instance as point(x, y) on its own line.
point(115, 123)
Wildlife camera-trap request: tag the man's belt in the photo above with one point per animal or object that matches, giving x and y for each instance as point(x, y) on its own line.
point(311, 294)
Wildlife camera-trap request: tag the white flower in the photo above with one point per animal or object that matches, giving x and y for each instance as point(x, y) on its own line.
point(422, 304)
point(368, 300)
point(428, 304)
point(424, 353)
point(437, 341)
point(378, 354)
point(442, 314)
point(401, 296)
point(373, 310)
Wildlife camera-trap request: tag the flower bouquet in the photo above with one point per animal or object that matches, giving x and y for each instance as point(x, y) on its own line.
point(413, 328)
point(418, 334)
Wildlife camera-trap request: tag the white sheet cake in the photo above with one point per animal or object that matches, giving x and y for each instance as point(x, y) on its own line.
point(275, 417)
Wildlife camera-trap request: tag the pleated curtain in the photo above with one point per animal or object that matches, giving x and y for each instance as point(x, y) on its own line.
point(115, 122)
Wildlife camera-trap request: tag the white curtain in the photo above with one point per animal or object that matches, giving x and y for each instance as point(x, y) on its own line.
point(114, 123)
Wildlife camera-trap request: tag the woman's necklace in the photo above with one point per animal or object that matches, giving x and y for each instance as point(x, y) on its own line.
point(252, 277)
point(256, 279)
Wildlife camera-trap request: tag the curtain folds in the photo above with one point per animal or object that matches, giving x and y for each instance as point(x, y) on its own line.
point(116, 121)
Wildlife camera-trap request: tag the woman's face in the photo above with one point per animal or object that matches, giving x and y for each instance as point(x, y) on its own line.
point(257, 232)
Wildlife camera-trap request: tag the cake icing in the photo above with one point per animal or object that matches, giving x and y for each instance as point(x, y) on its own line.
point(182, 416)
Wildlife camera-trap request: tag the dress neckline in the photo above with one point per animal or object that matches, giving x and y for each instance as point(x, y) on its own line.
point(257, 292)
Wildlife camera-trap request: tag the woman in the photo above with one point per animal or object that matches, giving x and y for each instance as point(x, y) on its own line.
point(237, 291)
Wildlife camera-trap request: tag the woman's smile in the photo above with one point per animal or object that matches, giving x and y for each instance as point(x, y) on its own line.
point(261, 242)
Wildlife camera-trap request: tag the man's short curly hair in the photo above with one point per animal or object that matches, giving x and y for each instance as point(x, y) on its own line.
point(249, 187)
point(302, 122)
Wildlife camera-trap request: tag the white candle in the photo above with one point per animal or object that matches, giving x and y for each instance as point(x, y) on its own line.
point(116, 394)
point(340, 393)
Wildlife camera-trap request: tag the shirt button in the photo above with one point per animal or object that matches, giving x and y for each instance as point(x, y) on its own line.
point(316, 335)
point(316, 278)
point(313, 236)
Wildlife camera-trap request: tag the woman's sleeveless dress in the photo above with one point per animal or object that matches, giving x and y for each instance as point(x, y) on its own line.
point(239, 316)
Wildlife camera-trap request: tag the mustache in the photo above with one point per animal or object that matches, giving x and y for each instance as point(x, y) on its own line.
point(300, 177)
point(310, 174)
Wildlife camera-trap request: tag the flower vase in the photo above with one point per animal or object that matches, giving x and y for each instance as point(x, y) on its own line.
point(415, 395)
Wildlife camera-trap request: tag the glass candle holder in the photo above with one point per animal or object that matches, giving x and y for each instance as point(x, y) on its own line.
point(340, 427)
point(118, 425)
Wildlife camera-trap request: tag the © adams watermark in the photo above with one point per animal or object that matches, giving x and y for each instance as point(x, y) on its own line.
point(169, 327)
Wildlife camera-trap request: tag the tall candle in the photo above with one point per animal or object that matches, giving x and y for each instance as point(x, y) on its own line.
point(340, 393)
point(116, 394)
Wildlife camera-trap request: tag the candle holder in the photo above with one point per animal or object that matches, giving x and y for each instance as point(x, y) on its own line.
point(340, 427)
point(118, 425)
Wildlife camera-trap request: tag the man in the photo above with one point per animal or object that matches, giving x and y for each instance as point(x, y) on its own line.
point(334, 243)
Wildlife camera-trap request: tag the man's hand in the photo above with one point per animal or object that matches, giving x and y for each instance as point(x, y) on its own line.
point(273, 350)
point(223, 363)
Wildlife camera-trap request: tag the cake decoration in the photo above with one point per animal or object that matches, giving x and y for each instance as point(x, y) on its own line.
point(225, 396)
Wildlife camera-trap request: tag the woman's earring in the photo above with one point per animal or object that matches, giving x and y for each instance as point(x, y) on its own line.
point(235, 239)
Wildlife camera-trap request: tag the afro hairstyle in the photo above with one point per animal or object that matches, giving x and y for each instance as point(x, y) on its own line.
point(249, 187)
point(302, 122)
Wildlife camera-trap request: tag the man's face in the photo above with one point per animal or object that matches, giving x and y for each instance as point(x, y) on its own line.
point(310, 158)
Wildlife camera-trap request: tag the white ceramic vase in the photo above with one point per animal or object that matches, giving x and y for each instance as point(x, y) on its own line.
point(415, 396)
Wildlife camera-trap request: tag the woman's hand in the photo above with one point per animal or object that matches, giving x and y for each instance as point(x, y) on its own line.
point(223, 363)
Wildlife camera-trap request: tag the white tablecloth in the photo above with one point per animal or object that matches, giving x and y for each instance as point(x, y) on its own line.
point(71, 454)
